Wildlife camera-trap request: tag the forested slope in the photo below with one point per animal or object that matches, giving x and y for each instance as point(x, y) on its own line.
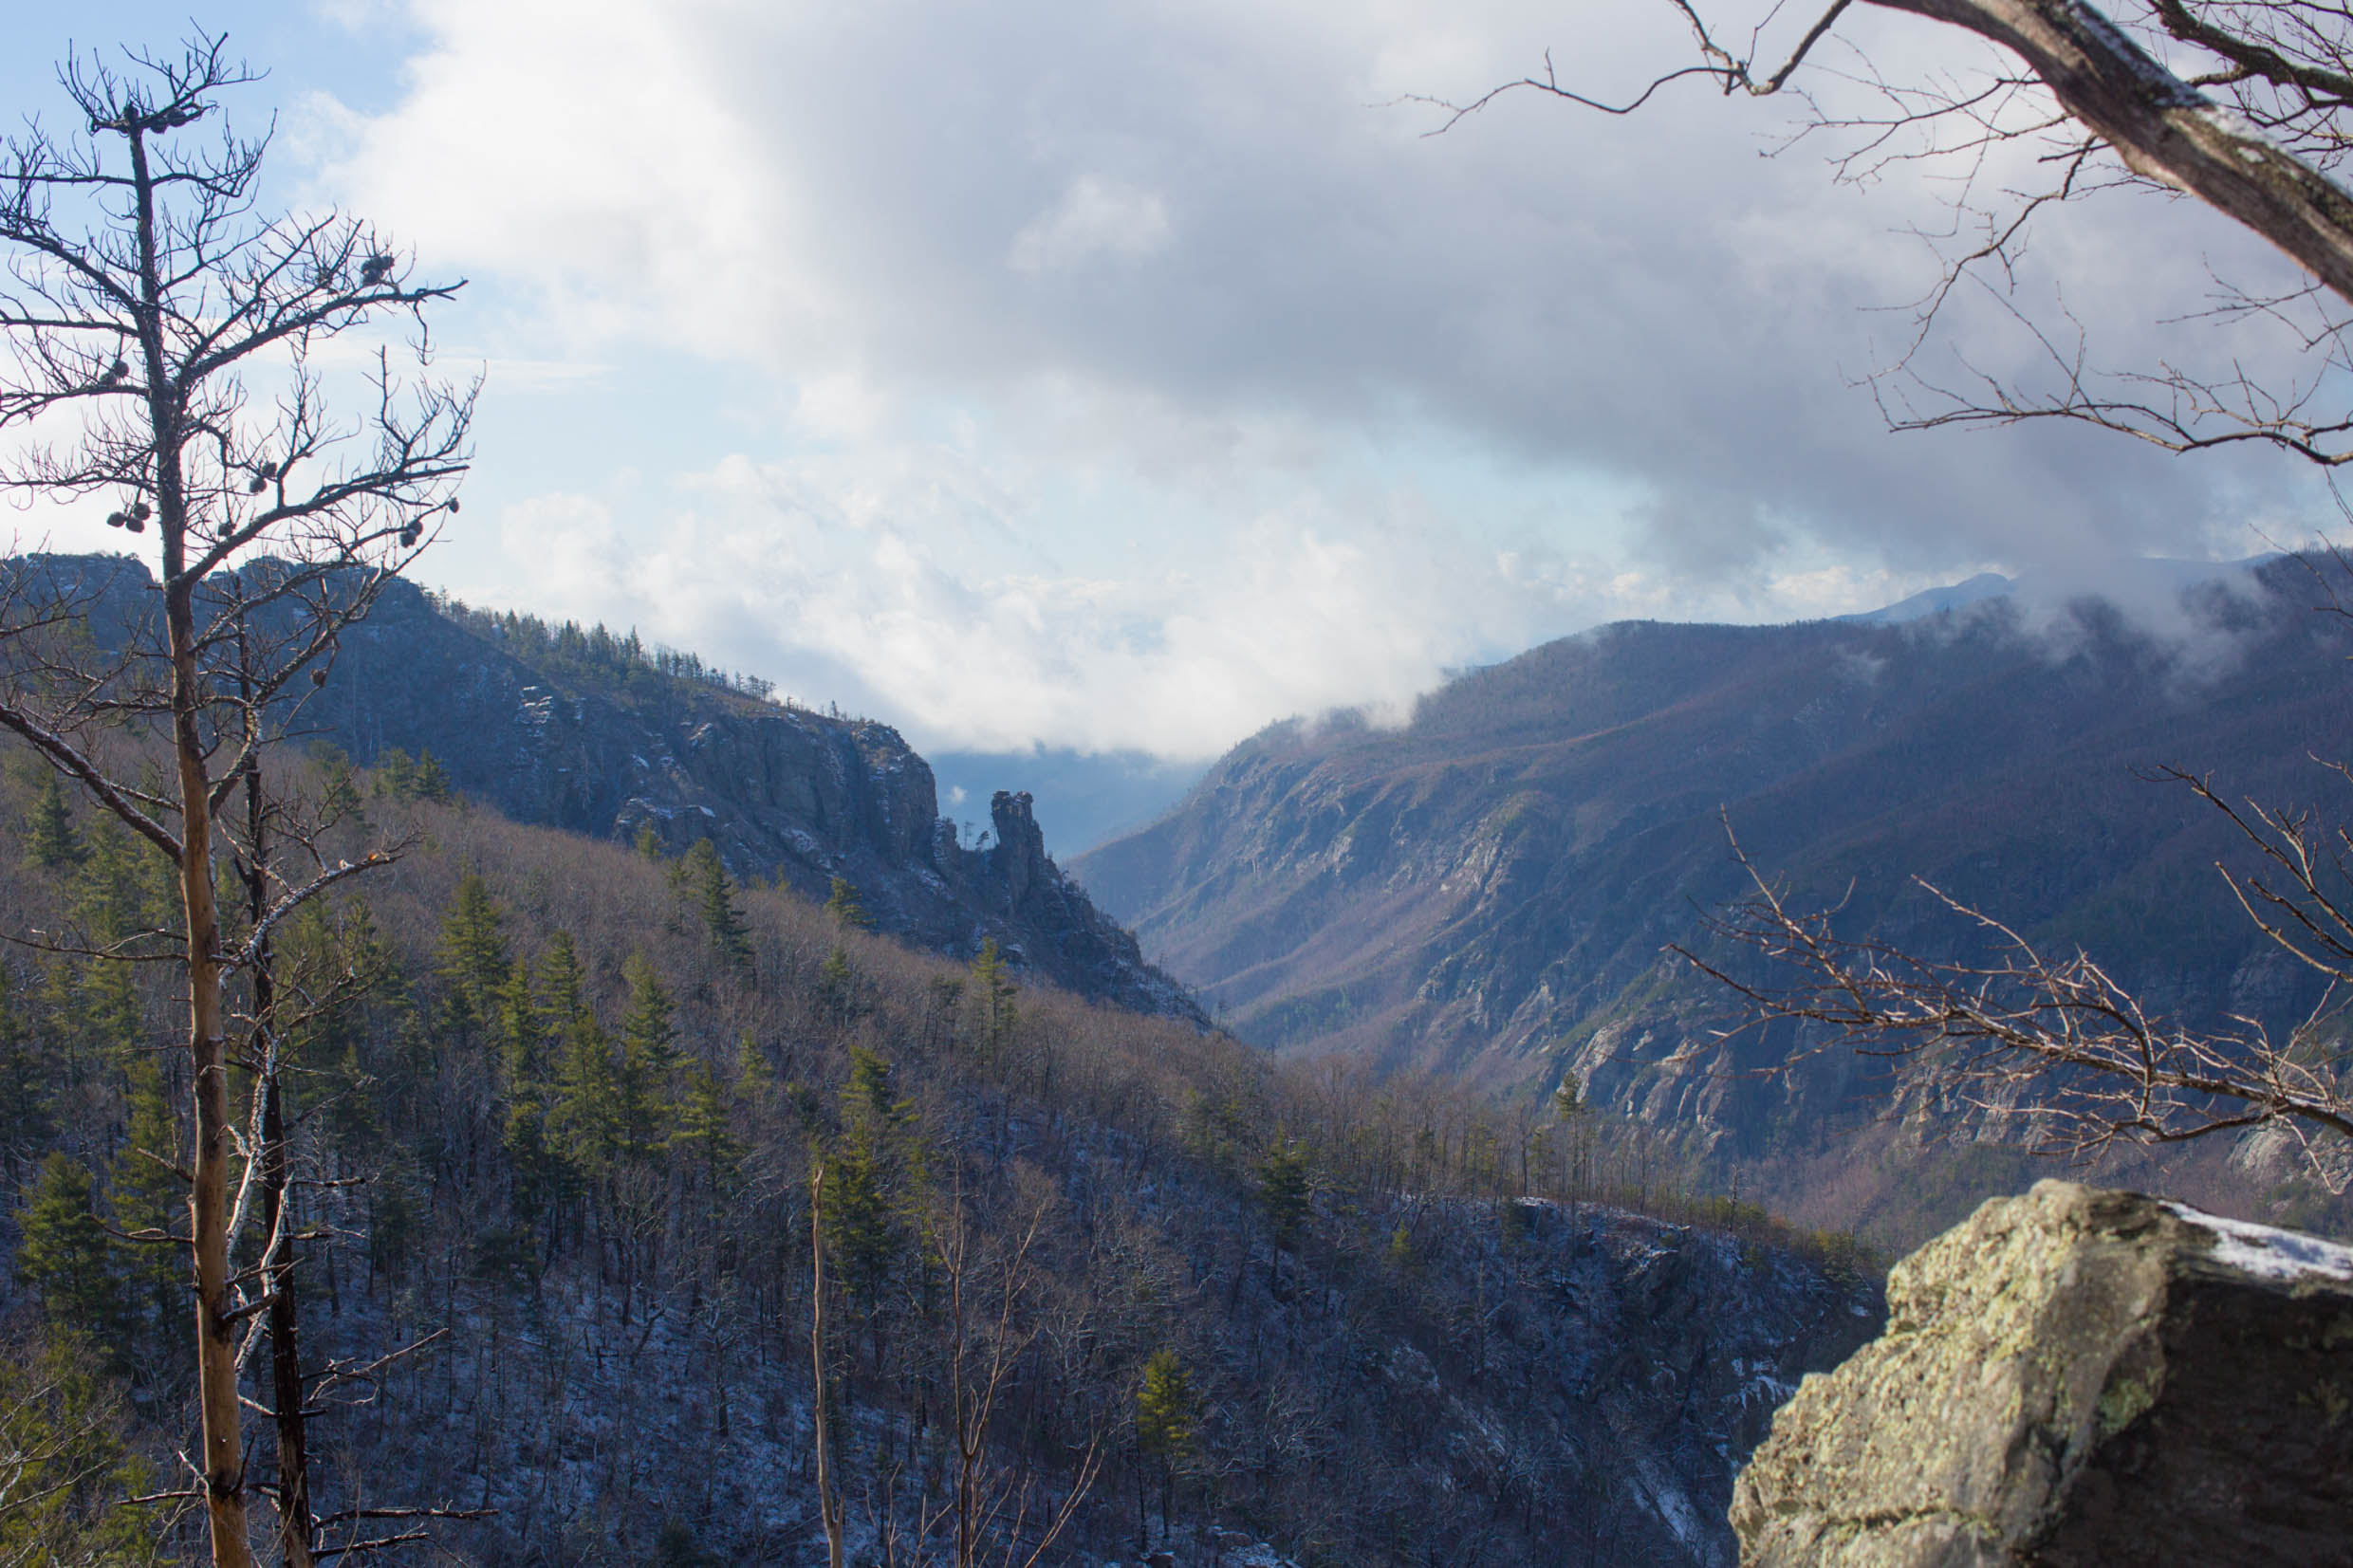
point(1488, 890)
point(555, 1142)
point(600, 733)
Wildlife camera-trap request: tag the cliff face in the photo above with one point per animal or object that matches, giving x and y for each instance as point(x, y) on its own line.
point(782, 792)
point(1488, 889)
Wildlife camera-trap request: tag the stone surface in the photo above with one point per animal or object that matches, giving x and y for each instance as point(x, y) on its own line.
point(2076, 1378)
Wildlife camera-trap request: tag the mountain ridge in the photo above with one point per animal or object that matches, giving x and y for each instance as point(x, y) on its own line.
point(1488, 890)
point(593, 736)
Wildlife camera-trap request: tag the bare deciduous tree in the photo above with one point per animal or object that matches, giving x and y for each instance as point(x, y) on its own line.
point(2053, 1039)
point(142, 292)
point(2243, 105)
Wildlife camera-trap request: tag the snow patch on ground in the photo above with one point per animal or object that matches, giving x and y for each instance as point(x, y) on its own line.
point(2259, 1250)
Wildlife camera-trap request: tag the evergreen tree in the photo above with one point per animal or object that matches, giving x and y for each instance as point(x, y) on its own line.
point(396, 774)
point(1168, 1413)
point(563, 984)
point(25, 1122)
point(586, 1125)
point(429, 782)
point(703, 1135)
point(648, 843)
point(837, 986)
point(473, 952)
point(522, 1034)
point(1167, 1409)
point(755, 1081)
point(1284, 1189)
point(49, 837)
point(67, 1469)
point(149, 1196)
point(875, 1184)
point(714, 896)
point(843, 907)
point(121, 886)
point(66, 1257)
point(649, 1057)
point(997, 990)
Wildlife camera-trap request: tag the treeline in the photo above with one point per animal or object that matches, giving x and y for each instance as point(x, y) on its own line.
point(595, 654)
point(574, 1124)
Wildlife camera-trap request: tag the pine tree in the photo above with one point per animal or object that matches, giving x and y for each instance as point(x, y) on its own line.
point(648, 843)
point(843, 907)
point(837, 986)
point(585, 1117)
point(149, 1196)
point(755, 1081)
point(49, 837)
point(523, 1033)
point(563, 984)
point(70, 1472)
point(713, 895)
point(25, 1122)
point(473, 952)
point(1284, 1189)
point(396, 774)
point(997, 990)
point(121, 886)
point(429, 782)
point(703, 1135)
point(1168, 1413)
point(649, 1057)
point(875, 1185)
point(66, 1257)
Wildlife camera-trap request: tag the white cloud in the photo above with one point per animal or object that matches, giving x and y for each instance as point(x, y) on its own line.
point(1100, 373)
point(863, 577)
point(1094, 220)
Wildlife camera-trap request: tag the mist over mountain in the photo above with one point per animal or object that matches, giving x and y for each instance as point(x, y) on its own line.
point(1487, 891)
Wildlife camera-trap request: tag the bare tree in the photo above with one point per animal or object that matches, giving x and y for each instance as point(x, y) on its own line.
point(2053, 1040)
point(2246, 106)
point(142, 291)
point(991, 1323)
point(2243, 105)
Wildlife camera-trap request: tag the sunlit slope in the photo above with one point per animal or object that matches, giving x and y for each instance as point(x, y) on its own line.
point(1486, 887)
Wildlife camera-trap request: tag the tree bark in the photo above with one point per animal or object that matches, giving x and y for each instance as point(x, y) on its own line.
point(2165, 129)
point(217, 1355)
point(828, 1507)
point(277, 1269)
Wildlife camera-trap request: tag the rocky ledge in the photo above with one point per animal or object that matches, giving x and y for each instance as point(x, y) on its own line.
point(2077, 1377)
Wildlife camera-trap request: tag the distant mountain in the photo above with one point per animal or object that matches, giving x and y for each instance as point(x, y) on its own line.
point(1928, 601)
point(1487, 890)
point(585, 731)
point(1084, 797)
point(2138, 582)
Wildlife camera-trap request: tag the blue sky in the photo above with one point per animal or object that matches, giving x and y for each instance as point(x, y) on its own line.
point(1130, 374)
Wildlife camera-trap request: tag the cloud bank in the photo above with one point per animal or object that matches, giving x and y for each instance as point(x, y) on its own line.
point(1130, 374)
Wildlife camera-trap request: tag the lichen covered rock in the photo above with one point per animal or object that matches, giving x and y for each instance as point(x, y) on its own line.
point(2077, 1377)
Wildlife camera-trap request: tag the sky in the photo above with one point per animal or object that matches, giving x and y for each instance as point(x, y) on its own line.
point(1126, 376)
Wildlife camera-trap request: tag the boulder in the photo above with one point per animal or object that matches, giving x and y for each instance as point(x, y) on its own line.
point(2076, 1378)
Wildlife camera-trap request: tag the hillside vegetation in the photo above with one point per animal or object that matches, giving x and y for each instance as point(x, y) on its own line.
point(1488, 890)
point(556, 1121)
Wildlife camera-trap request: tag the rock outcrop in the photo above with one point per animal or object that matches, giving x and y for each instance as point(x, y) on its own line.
point(781, 792)
point(2077, 1377)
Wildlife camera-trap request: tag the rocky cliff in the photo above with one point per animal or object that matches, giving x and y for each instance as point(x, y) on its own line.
point(1487, 890)
point(608, 750)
